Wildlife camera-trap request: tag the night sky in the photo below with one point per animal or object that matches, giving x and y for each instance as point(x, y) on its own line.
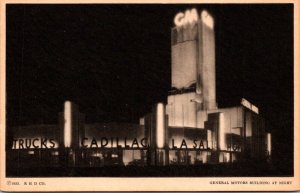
point(114, 61)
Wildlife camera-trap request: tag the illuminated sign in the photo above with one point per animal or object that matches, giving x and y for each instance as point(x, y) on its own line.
point(233, 147)
point(254, 109)
point(249, 106)
point(35, 143)
point(196, 144)
point(111, 142)
point(189, 17)
point(107, 142)
point(246, 103)
point(207, 19)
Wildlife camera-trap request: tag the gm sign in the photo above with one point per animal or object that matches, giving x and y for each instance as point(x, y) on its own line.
point(189, 17)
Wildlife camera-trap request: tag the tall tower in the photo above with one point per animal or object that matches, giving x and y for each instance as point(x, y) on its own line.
point(193, 68)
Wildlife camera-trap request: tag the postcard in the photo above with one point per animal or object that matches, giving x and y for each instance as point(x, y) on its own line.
point(149, 96)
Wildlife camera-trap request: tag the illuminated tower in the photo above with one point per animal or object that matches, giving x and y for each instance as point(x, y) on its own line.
point(193, 68)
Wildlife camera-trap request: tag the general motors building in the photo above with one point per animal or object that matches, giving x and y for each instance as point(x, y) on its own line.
point(189, 130)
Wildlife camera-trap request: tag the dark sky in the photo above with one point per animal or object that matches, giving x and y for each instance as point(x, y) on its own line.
point(114, 61)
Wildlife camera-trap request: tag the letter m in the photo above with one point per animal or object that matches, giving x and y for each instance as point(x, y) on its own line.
point(190, 16)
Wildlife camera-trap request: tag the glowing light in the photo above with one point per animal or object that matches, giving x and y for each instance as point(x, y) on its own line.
point(189, 17)
point(207, 19)
point(31, 152)
point(222, 132)
point(254, 109)
point(55, 153)
point(250, 106)
point(269, 145)
point(179, 19)
point(226, 157)
point(160, 124)
point(67, 123)
point(246, 103)
point(142, 121)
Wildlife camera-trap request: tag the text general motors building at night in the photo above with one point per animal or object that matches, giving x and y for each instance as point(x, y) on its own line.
point(189, 130)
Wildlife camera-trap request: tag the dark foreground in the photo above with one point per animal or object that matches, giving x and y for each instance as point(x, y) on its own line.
point(220, 170)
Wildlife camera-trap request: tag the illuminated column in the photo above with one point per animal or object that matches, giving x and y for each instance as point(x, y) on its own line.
point(160, 125)
point(67, 124)
point(222, 132)
point(161, 153)
point(269, 144)
point(71, 124)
